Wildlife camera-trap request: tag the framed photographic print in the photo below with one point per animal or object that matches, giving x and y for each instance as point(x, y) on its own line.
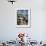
point(23, 17)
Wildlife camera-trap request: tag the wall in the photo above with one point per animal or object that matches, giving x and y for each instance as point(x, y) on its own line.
point(8, 28)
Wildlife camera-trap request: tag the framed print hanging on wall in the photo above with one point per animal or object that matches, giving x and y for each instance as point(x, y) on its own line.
point(23, 16)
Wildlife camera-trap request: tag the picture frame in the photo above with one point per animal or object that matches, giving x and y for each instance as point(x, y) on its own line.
point(23, 17)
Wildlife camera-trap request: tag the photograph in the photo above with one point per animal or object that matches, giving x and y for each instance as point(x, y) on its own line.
point(23, 17)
